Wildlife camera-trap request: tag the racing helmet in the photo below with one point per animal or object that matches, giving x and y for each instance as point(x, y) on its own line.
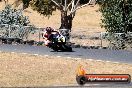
point(49, 29)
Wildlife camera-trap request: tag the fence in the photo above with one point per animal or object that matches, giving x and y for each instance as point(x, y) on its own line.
point(92, 39)
point(30, 32)
point(16, 31)
point(97, 40)
point(118, 40)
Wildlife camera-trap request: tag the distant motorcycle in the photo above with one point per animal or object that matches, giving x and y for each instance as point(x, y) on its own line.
point(59, 44)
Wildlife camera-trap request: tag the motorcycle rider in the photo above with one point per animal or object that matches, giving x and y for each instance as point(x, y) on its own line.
point(49, 34)
point(55, 40)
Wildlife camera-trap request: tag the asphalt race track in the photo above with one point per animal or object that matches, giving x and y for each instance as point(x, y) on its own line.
point(96, 54)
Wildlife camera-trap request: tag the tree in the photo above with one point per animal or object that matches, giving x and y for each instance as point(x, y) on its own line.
point(117, 20)
point(117, 15)
point(67, 8)
point(12, 18)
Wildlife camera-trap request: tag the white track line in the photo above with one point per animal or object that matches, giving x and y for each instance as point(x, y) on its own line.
point(68, 57)
point(78, 58)
point(58, 56)
point(36, 54)
point(103, 61)
point(90, 59)
point(24, 53)
point(108, 61)
point(12, 52)
point(46, 55)
point(99, 60)
point(116, 62)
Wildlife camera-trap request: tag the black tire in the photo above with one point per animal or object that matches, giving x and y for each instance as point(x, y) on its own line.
point(68, 48)
point(55, 49)
point(129, 80)
point(53, 46)
point(81, 80)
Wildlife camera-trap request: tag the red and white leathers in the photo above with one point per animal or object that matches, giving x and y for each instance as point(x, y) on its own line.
point(45, 36)
point(51, 32)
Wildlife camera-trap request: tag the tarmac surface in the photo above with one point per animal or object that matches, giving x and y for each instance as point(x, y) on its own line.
point(96, 54)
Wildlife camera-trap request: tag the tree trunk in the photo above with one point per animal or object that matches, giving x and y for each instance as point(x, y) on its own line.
point(66, 21)
point(66, 25)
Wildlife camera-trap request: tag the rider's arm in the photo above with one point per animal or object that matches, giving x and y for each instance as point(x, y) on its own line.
point(45, 36)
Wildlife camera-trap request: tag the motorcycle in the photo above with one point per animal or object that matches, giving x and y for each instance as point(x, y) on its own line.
point(59, 44)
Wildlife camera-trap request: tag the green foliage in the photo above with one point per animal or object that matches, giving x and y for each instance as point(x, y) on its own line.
point(117, 40)
point(117, 18)
point(46, 7)
point(13, 22)
point(117, 15)
point(13, 17)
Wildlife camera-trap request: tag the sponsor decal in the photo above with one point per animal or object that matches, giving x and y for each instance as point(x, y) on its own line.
point(82, 77)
